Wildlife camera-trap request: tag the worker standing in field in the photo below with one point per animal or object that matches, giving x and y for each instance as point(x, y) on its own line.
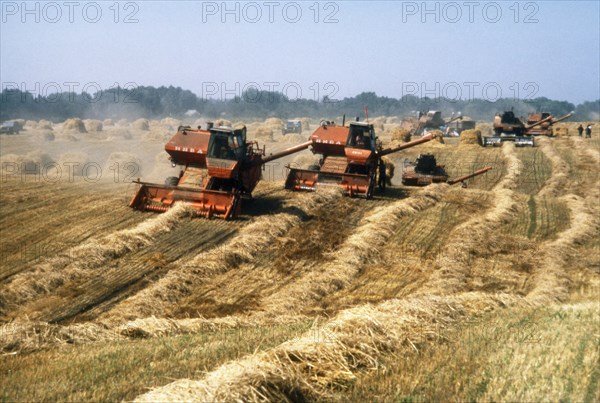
point(580, 130)
point(382, 180)
point(588, 132)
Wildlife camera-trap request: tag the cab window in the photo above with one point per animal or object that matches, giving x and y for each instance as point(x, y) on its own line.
point(221, 147)
point(360, 137)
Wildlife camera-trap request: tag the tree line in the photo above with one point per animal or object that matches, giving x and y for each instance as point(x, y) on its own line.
point(156, 103)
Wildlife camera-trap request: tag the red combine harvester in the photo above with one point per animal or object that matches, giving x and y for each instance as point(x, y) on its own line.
point(541, 125)
point(351, 158)
point(220, 167)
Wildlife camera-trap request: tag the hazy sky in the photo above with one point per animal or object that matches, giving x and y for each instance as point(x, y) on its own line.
point(455, 49)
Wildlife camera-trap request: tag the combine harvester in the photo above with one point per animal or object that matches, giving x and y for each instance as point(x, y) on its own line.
point(508, 127)
point(433, 120)
point(351, 157)
point(219, 168)
point(544, 128)
point(425, 171)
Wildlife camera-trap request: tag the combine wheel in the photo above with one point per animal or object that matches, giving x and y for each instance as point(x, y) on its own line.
point(172, 181)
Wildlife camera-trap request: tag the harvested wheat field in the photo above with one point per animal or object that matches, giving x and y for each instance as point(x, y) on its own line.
point(439, 293)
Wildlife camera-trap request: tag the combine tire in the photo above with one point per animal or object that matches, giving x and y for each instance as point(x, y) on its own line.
point(314, 167)
point(172, 181)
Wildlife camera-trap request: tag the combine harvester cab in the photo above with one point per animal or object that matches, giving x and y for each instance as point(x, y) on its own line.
point(425, 171)
point(350, 159)
point(220, 167)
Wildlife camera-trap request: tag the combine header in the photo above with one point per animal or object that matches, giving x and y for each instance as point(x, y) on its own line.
point(220, 167)
point(425, 171)
point(540, 126)
point(351, 157)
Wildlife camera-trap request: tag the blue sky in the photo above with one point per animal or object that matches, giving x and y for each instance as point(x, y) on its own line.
point(457, 49)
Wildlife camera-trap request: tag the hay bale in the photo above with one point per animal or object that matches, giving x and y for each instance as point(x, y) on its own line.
point(141, 124)
point(199, 122)
point(122, 122)
point(118, 133)
point(470, 137)
point(264, 133)
point(93, 126)
point(170, 122)
point(47, 136)
point(274, 122)
point(399, 135)
point(410, 123)
point(74, 125)
point(33, 162)
point(44, 125)
point(485, 128)
point(74, 162)
point(251, 127)
point(108, 122)
point(378, 123)
point(32, 124)
point(394, 120)
point(157, 135)
point(125, 163)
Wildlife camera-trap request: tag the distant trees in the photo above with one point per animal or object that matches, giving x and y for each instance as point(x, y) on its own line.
point(589, 110)
point(152, 102)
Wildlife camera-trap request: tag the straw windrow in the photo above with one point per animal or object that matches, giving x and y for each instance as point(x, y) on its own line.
point(361, 248)
point(560, 169)
point(328, 358)
point(550, 279)
point(454, 264)
point(80, 261)
point(162, 297)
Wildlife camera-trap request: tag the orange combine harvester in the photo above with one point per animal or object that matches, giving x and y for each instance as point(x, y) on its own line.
point(220, 167)
point(351, 157)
